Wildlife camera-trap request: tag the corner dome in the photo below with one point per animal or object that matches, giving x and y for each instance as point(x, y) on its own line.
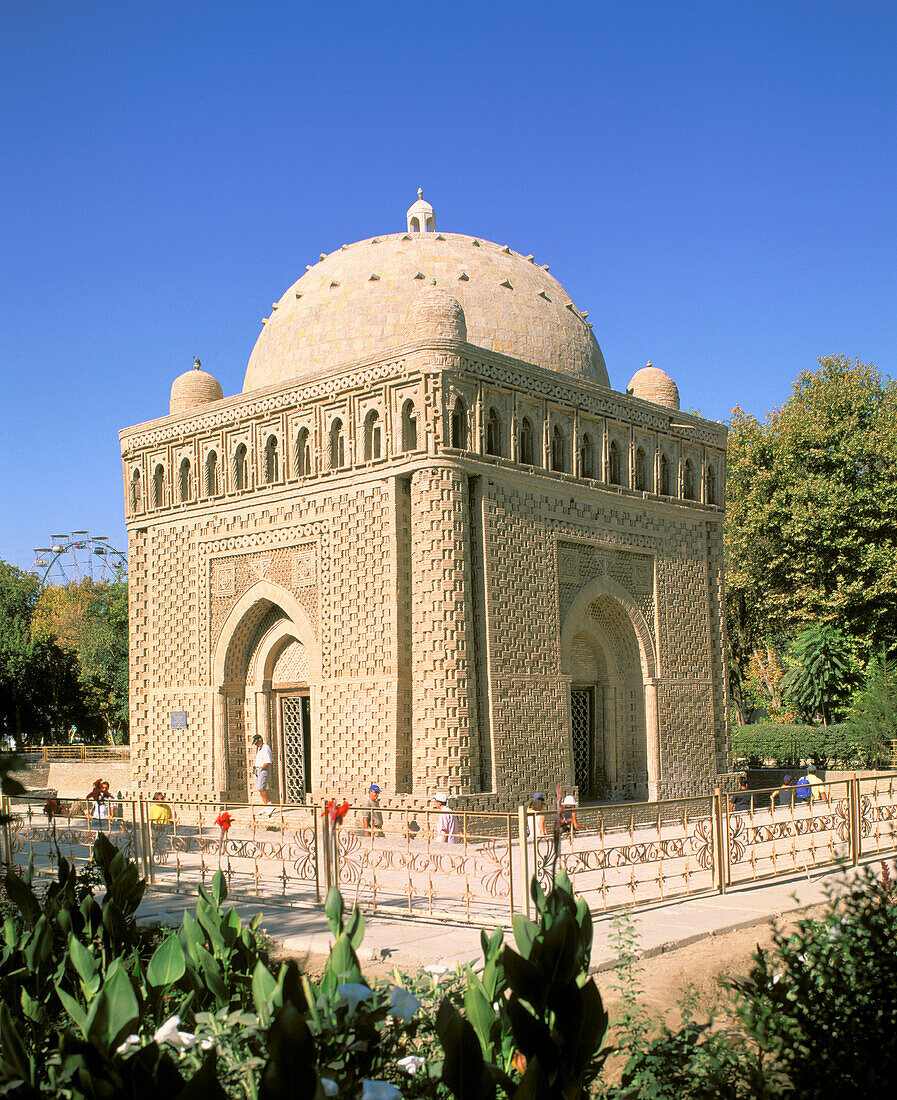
point(193, 388)
point(652, 384)
point(437, 315)
point(353, 305)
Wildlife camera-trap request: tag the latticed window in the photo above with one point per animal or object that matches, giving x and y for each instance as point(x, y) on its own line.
point(688, 480)
point(525, 442)
point(337, 445)
point(241, 468)
point(409, 427)
point(372, 433)
point(558, 449)
point(711, 483)
point(185, 486)
point(271, 460)
point(303, 453)
point(159, 486)
point(641, 470)
point(586, 457)
point(664, 476)
point(493, 433)
point(459, 425)
point(212, 474)
point(613, 463)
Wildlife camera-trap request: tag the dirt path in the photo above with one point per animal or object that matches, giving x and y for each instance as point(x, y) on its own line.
point(665, 977)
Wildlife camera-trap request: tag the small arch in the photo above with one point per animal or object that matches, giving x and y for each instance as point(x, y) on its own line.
point(272, 462)
point(613, 464)
point(688, 480)
point(459, 425)
point(185, 481)
point(525, 442)
point(664, 476)
point(593, 590)
point(159, 486)
point(711, 483)
point(641, 470)
point(372, 433)
point(409, 426)
point(586, 457)
point(558, 449)
point(414, 225)
point(303, 453)
point(241, 468)
point(337, 445)
point(136, 495)
point(212, 474)
point(493, 433)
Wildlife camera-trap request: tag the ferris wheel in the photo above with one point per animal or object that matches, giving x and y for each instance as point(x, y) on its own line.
point(77, 556)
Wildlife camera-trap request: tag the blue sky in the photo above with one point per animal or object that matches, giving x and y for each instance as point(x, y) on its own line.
point(714, 182)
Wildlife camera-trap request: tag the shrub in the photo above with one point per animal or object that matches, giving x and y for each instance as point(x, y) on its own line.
point(753, 746)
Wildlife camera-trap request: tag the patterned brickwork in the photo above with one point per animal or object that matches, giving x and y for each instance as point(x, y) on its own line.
point(444, 744)
point(433, 588)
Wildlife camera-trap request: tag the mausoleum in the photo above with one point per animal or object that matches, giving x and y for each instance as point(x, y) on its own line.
point(427, 545)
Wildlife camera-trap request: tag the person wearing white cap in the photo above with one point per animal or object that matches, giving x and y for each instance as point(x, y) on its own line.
point(448, 822)
point(569, 824)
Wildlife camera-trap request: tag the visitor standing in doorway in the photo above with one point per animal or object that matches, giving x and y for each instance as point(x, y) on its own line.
point(263, 763)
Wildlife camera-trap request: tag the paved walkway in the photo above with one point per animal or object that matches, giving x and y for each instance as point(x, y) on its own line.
point(411, 944)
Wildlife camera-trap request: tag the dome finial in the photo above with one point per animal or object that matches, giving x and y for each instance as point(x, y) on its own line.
point(421, 218)
point(196, 363)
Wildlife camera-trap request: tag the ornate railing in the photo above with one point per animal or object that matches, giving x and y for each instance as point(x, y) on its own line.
point(405, 862)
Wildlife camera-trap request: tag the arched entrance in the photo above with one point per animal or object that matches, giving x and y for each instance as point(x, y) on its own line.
point(608, 656)
point(266, 671)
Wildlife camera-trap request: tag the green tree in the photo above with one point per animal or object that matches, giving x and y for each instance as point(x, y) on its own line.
point(873, 710)
point(40, 690)
point(91, 620)
point(819, 679)
point(810, 499)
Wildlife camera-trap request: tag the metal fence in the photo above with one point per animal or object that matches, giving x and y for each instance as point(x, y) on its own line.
point(47, 753)
point(402, 862)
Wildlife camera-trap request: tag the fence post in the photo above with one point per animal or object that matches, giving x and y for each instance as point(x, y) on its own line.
point(719, 845)
point(524, 858)
point(314, 829)
point(854, 808)
point(325, 839)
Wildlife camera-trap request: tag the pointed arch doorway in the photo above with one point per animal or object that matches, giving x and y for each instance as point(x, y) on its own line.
point(266, 671)
point(608, 656)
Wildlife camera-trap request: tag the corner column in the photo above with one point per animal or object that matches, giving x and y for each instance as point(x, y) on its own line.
point(445, 745)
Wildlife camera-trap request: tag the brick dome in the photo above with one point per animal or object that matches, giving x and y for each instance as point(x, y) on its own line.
point(435, 314)
point(652, 384)
point(354, 303)
point(192, 388)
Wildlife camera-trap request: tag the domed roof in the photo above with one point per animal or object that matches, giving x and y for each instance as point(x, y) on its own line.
point(434, 314)
point(652, 384)
point(192, 388)
point(354, 302)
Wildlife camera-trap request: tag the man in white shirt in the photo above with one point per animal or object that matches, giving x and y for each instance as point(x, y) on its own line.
point(263, 762)
point(448, 822)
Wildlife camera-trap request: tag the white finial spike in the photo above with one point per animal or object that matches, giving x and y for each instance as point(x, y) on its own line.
point(648, 364)
point(420, 192)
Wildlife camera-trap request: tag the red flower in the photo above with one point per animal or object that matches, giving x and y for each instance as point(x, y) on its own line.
point(336, 813)
point(224, 821)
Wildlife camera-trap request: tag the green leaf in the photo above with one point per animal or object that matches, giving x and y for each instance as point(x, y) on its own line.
point(525, 932)
point(482, 1017)
point(39, 946)
point(23, 897)
point(355, 931)
point(85, 964)
point(77, 1014)
point(12, 1050)
point(334, 908)
point(168, 964)
point(263, 987)
point(115, 1011)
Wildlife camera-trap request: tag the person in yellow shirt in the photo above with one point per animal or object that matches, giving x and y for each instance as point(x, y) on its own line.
point(160, 812)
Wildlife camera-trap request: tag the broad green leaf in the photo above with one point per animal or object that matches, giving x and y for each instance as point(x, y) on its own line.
point(263, 986)
point(115, 1011)
point(77, 1014)
point(168, 964)
point(524, 933)
point(85, 964)
point(334, 908)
